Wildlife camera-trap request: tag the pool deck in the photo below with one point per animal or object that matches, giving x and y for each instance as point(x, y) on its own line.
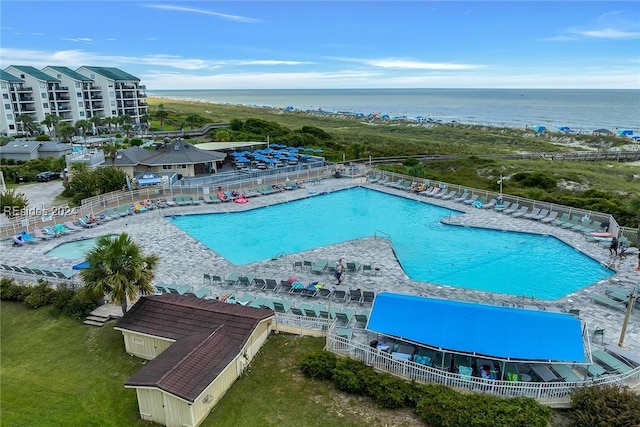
point(183, 260)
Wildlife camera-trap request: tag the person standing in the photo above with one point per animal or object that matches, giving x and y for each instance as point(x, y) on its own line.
point(339, 272)
point(613, 248)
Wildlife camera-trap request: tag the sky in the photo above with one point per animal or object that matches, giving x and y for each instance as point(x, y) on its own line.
point(172, 44)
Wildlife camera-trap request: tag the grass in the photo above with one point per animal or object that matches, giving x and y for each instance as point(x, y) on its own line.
point(58, 372)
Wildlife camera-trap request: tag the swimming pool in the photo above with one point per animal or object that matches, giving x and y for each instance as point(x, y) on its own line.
point(429, 251)
point(74, 250)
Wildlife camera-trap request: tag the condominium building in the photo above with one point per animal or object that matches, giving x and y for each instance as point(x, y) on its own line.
point(122, 93)
point(71, 95)
point(8, 83)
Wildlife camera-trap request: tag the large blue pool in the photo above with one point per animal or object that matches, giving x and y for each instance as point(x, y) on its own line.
point(429, 251)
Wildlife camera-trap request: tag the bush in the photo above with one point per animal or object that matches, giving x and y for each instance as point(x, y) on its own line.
point(39, 295)
point(347, 380)
point(318, 365)
point(605, 406)
point(43, 138)
point(11, 291)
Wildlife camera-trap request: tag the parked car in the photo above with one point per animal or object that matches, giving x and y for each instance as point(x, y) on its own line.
point(47, 176)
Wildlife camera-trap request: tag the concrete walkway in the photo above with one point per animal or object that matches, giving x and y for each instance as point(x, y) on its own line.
point(184, 260)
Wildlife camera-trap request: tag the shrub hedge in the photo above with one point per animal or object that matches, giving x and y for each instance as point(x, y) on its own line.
point(605, 406)
point(64, 299)
point(436, 405)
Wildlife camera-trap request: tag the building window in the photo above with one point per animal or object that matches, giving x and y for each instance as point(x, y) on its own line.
point(80, 104)
point(137, 340)
point(79, 94)
point(7, 106)
point(166, 166)
point(45, 105)
point(78, 85)
point(112, 94)
point(113, 103)
point(59, 76)
point(93, 76)
point(43, 85)
point(9, 116)
point(3, 85)
point(81, 113)
point(12, 127)
point(43, 95)
point(5, 96)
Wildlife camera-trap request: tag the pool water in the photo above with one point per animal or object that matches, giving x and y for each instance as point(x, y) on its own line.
point(73, 250)
point(429, 251)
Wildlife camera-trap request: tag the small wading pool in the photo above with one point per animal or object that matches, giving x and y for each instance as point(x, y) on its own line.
point(515, 263)
point(74, 250)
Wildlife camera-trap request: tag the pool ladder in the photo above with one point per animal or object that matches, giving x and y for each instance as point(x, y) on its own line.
point(382, 236)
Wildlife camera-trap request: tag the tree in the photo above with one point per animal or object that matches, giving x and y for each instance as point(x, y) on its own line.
point(28, 125)
point(12, 203)
point(97, 121)
point(118, 268)
point(191, 120)
point(633, 206)
point(127, 129)
point(111, 151)
point(83, 126)
point(161, 114)
point(51, 122)
point(66, 131)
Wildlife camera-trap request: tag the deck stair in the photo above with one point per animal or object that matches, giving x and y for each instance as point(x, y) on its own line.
point(96, 320)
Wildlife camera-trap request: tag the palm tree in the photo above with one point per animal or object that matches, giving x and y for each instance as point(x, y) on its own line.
point(97, 122)
point(118, 268)
point(161, 114)
point(83, 125)
point(191, 120)
point(51, 121)
point(127, 129)
point(66, 131)
point(111, 151)
point(28, 125)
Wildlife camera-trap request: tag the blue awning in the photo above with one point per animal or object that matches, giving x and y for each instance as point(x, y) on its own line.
point(81, 266)
point(493, 331)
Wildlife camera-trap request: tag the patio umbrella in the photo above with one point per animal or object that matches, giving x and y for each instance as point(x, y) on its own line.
point(242, 160)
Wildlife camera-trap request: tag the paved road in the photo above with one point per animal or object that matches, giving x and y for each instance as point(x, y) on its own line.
point(41, 193)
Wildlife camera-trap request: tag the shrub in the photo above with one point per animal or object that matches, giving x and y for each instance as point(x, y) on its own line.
point(392, 392)
point(347, 380)
point(43, 138)
point(318, 365)
point(39, 295)
point(11, 291)
point(605, 405)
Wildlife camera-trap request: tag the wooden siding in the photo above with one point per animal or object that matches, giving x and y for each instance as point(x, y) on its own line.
point(144, 346)
point(151, 405)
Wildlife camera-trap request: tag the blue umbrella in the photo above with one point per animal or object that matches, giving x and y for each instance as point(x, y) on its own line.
point(236, 154)
point(81, 266)
point(242, 160)
point(305, 156)
point(271, 161)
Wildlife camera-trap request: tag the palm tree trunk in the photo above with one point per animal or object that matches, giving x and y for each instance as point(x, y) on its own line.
point(124, 306)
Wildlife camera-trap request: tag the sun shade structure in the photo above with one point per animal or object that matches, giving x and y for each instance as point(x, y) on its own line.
point(493, 331)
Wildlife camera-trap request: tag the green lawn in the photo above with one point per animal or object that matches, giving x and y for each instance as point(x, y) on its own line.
point(58, 372)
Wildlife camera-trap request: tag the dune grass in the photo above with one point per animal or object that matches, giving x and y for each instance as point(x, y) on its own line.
point(58, 372)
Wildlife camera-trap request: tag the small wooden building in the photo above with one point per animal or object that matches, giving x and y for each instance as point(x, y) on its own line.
point(197, 349)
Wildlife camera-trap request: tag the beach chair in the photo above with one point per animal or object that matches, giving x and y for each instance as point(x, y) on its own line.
point(503, 207)
point(245, 299)
point(38, 233)
point(281, 306)
point(542, 214)
point(231, 279)
point(319, 266)
point(259, 283)
point(324, 292)
point(355, 295)
point(611, 361)
point(446, 196)
point(549, 218)
point(353, 267)
point(572, 222)
point(270, 285)
point(470, 200)
point(367, 297)
point(207, 199)
point(367, 268)
point(71, 226)
point(522, 212)
point(307, 264)
point(362, 317)
point(344, 333)
point(245, 280)
point(345, 315)
point(85, 224)
point(326, 314)
point(299, 311)
point(216, 280)
point(563, 219)
point(200, 293)
point(61, 229)
point(297, 264)
point(513, 209)
point(534, 212)
point(462, 197)
point(491, 204)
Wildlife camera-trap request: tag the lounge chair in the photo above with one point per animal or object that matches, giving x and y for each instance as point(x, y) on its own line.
point(207, 199)
point(170, 202)
point(259, 283)
point(270, 285)
point(313, 310)
point(200, 293)
point(282, 306)
point(534, 212)
point(324, 293)
point(563, 219)
point(287, 287)
point(179, 290)
point(344, 333)
point(345, 315)
point(572, 222)
point(50, 231)
point(549, 218)
point(299, 311)
point(522, 212)
point(231, 279)
point(86, 224)
point(71, 226)
point(297, 264)
point(245, 299)
point(307, 264)
point(258, 302)
point(367, 297)
point(542, 214)
point(502, 207)
point(611, 361)
point(355, 295)
point(246, 280)
point(216, 280)
point(462, 197)
point(604, 300)
point(353, 267)
point(320, 266)
point(625, 355)
point(339, 295)
point(566, 373)
point(447, 196)
point(491, 204)
point(513, 209)
point(61, 229)
point(367, 268)
point(40, 235)
point(470, 200)
point(362, 317)
point(384, 180)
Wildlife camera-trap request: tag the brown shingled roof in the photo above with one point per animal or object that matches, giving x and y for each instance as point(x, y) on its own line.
point(208, 334)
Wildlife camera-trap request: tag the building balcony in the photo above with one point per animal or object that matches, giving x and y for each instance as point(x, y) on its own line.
point(56, 88)
point(24, 98)
point(63, 107)
point(21, 88)
point(62, 97)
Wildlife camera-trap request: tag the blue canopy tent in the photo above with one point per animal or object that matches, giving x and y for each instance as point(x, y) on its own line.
point(624, 132)
point(502, 333)
point(539, 129)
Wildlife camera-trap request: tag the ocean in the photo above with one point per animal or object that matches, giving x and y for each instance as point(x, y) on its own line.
point(581, 110)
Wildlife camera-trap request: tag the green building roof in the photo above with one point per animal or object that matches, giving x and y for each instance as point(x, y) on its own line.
point(9, 77)
point(112, 73)
point(34, 72)
point(70, 73)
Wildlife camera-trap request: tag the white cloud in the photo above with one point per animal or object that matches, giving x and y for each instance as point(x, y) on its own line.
point(609, 34)
point(79, 39)
point(236, 18)
point(409, 64)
